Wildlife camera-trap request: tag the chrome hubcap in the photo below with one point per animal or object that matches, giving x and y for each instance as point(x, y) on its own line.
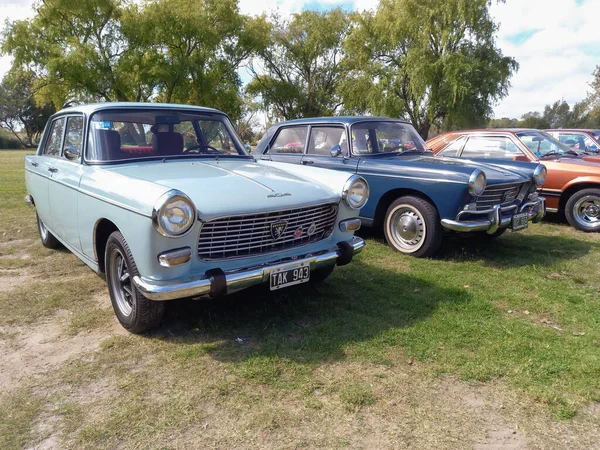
point(587, 211)
point(120, 282)
point(407, 228)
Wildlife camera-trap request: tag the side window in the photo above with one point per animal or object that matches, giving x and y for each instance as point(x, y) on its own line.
point(453, 148)
point(74, 136)
point(290, 140)
point(493, 147)
point(52, 147)
point(323, 139)
point(572, 140)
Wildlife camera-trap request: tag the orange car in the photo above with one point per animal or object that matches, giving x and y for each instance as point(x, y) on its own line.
point(573, 182)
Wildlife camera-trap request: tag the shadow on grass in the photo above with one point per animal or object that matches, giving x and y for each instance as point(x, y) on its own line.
point(310, 323)
point(514, 249)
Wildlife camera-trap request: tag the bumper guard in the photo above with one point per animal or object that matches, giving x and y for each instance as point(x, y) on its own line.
point(494, 219)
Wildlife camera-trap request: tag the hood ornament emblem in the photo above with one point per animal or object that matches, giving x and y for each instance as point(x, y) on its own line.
point(278, 228)
point(279, 194)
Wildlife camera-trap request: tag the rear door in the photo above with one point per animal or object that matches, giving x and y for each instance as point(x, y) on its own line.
point(64, 183)
point(288, 145)
point(44, 166)
point(322, 139)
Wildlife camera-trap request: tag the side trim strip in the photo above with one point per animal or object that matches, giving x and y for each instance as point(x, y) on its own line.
point(439, 180)
point(550, 193)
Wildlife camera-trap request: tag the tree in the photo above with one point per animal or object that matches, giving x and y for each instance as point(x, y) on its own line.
point(504, 122)
point(19, 112)
point(593, 101)
point(298, 72)
point(533, 119)
point(192, 54)
point(117, 50)
point(430, 61)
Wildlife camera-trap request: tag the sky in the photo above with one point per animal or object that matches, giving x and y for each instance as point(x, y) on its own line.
point(555, 42)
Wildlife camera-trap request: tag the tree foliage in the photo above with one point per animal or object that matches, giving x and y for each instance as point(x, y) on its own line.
point(114, 50)
point(298, 72)
point(430, 61)
point(19, 111)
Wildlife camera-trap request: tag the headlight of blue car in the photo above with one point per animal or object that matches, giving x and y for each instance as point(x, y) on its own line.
point(477, 183)
point(356, 192)
point(174, 214)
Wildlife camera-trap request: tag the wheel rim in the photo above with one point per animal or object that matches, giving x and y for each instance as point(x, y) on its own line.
point(407, 228)
point(43, 229)
point(587, 211)
point(120, 282)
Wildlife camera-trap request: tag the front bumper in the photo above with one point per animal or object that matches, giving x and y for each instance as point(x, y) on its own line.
point(493, 217)
point(216, 282)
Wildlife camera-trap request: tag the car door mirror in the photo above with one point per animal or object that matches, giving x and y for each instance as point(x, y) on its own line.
point(71, 153)
point(336, 151)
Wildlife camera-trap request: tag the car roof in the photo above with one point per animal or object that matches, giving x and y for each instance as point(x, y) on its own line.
point(338, 119)
point(572, 129)
point(94, 107)
point(493, 130)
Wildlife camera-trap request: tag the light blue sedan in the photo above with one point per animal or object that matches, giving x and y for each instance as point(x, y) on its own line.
point(165, 200)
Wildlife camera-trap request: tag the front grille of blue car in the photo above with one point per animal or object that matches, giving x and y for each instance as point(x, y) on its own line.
point(500, 194)
point(253, 234)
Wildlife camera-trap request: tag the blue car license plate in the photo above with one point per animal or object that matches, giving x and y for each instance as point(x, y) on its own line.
point(520, 221)
point(289, 276)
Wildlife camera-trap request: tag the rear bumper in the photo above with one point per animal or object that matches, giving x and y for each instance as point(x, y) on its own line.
point(492, 218)
point(216, 282)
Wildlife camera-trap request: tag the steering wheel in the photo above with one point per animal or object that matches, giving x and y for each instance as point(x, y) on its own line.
point(197, 147)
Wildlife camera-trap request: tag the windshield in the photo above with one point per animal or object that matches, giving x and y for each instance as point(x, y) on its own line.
point(124, 135)
point(370, 138)
point(542, 144)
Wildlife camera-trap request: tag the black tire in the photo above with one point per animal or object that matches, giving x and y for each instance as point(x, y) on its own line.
point(583, 210)
point(421, 222)
point(319, 275)
point(136, 313)
point(47, 238)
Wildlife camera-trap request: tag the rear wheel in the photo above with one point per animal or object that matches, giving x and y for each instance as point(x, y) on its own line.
point(47, 238)
point(135, 312)
point(583, 210)
point(412, 226)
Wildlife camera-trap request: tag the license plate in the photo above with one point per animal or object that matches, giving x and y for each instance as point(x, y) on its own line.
point(289, 275)
point(520, 221)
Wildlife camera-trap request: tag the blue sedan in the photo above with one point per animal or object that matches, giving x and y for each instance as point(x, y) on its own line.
point(414, 195)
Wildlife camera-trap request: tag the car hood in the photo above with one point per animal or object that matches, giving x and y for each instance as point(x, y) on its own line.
point(229, 186)
point(445, 168)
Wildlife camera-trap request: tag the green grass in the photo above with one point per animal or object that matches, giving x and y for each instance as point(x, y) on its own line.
point(521, 311)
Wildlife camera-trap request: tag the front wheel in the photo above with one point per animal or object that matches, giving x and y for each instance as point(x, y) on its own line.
point(583, 210)
point(135, 312)
point(412, 226)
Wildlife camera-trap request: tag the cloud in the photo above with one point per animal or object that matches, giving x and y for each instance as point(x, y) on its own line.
point(557, 46)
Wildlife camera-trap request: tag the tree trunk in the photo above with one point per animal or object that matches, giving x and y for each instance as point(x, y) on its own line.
point(423, 129)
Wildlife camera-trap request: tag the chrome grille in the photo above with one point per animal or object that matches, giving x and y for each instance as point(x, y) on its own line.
point(238, 236)
point(503, 195)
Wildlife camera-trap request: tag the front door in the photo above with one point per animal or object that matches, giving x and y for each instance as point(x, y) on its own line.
point(321, 141)
point(64, 182)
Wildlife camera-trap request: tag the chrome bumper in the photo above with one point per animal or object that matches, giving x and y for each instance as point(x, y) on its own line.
point(494, 219)
point(216, 282)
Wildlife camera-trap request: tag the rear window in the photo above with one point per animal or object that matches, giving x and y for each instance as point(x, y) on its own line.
point(123, 135)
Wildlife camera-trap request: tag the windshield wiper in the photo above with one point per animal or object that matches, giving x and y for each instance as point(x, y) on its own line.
point(552, 153)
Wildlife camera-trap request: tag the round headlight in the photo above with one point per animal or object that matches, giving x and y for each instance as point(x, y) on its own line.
point(539, 175)
point(174, 214)
point(356, 192)
point(477, 182)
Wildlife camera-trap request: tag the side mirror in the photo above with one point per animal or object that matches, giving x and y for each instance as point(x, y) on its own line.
point(336, 151)
point(71, 153)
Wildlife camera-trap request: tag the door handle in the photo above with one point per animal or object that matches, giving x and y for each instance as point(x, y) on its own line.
point(52, 169)
point(307, 161)
point(34, 164)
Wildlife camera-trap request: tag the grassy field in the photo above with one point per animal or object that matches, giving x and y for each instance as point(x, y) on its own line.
point(488, 345)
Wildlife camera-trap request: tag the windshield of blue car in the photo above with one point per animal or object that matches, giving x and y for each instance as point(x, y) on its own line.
point(145, 134)
point(370, 138)
point(542, 144)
